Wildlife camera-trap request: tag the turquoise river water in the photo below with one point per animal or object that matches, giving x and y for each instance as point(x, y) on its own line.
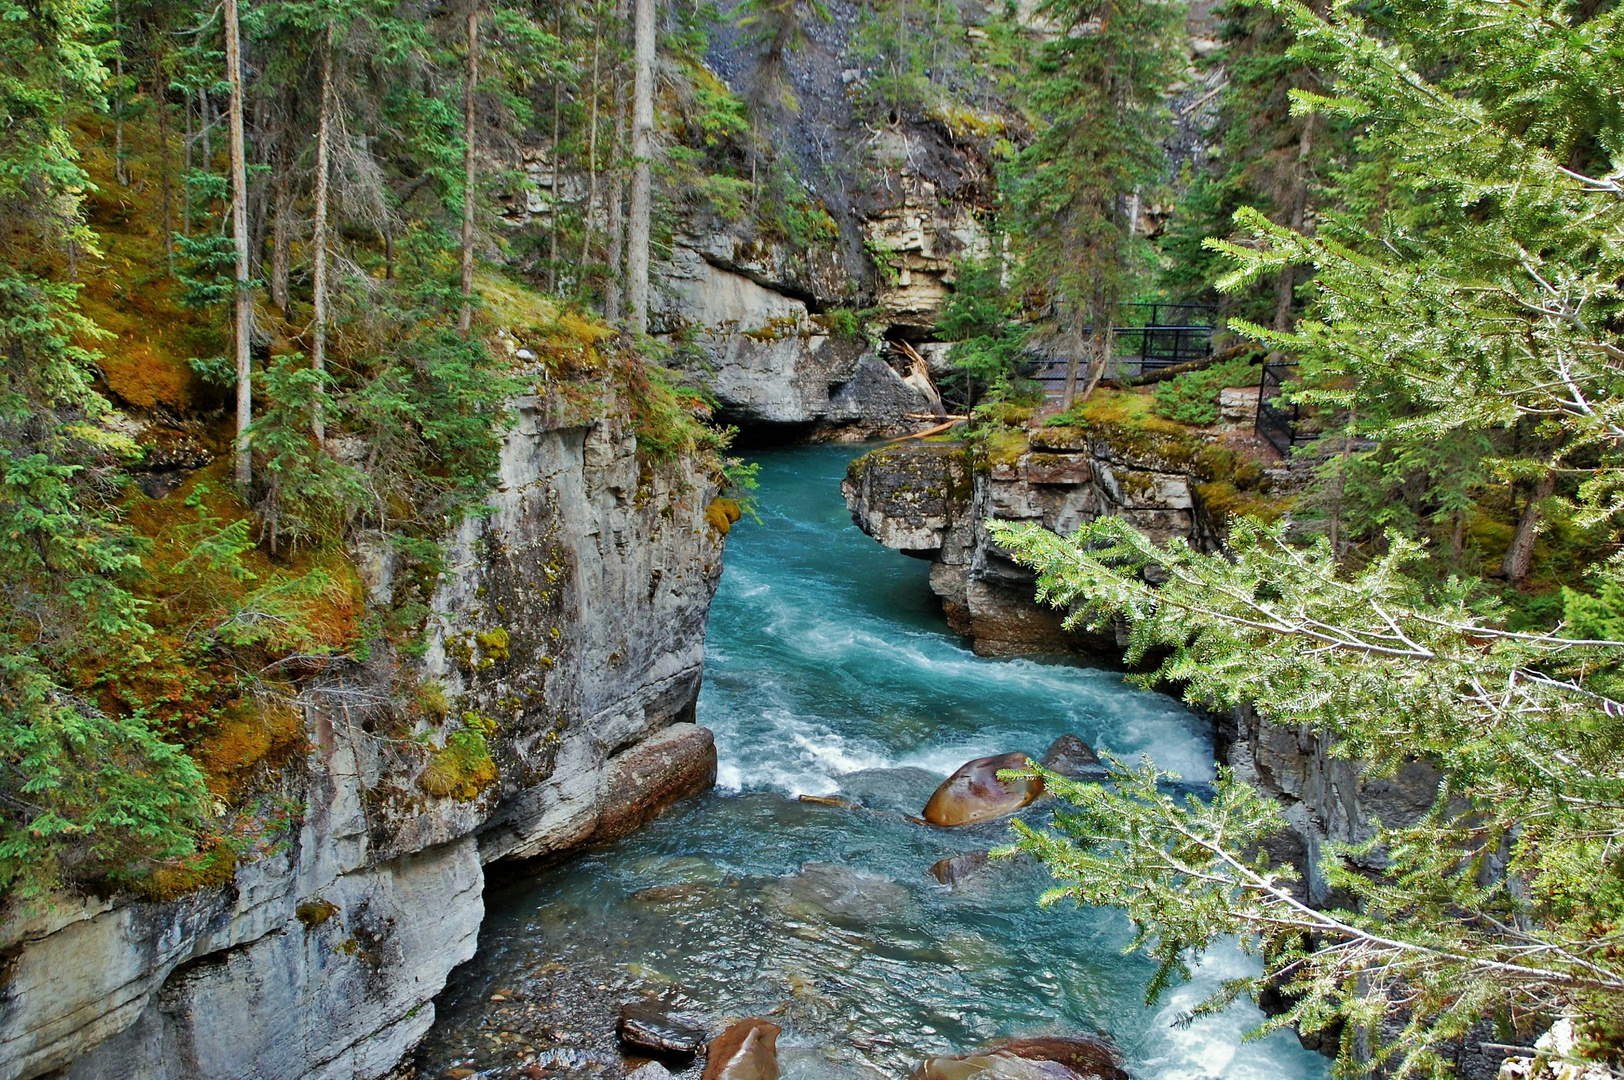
point(830, 671)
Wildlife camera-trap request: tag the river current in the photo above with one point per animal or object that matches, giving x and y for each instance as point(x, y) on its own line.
point(831, 672)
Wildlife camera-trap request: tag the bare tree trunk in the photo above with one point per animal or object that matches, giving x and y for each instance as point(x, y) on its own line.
point(614, 283)
point(1285, 286)
point(205, 115)
point(120, 173)
point(558, 93)
point(185, 183)
point(161, 96)
point(637, 232)
point(591, 150)
point(465, 320)
point(1520, 556)
point(1335, 530)
point(282, 229)
point(1070, 393)
point(318, 329)
point(239, 229)
point(1104, 340)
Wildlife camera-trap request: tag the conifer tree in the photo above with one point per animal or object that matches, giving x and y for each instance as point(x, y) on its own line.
point(1484, 293)
point(1100, 87)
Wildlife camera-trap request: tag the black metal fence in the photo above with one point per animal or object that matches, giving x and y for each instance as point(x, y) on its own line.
point(1149, 336)
point(1277, 421)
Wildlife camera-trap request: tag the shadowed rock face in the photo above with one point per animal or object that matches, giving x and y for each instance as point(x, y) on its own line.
point(975, 793)
point(746, 1051)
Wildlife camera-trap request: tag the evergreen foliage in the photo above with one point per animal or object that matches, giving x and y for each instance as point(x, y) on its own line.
point(1465, 318)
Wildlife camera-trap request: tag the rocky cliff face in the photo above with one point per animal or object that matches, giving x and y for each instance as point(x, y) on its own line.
point(744, 312)
point(934, 501)
point(569, 629)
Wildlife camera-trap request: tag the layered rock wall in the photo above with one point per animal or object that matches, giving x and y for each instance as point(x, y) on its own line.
point(569, 627)
point(935, 500)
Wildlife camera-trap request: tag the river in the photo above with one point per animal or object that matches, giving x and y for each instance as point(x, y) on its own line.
point(830, 671)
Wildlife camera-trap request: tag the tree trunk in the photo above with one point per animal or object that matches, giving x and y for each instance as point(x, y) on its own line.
point(465, 320)
point(591, 150)
point(161, 96)
point(186, 172)
point(552, 243)
point(205, 116)
point(1070, 393)
point(614, 283)
point(119, 172)
point(282, 230)
point(1104, 340)
point(318, 329)
point(1285, 286)
point(1520, 556)
point(637, 231)
point(239, 230)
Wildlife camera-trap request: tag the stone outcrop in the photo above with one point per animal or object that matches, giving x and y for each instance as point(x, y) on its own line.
point(935, 500)
point(568, 630)
point(1326, 799)
point(743, 316)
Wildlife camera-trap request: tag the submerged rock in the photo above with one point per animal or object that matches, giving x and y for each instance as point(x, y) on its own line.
point(1043, 1058)
point(1070, 756)
point(956, 870)
point(828, 889)
point(975, 793)
point(649, 1070)
point(648, 1025)
point(746, 1051)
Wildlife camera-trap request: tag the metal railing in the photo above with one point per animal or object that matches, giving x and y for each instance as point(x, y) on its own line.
point(1277, 421)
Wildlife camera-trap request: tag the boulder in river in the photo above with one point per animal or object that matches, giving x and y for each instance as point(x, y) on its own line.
point(1071, 757)
point(1043, 1058)
point(746, 1051)
point(975, 793)
point(650, 1026)
point(956, 870)
point(822, 890)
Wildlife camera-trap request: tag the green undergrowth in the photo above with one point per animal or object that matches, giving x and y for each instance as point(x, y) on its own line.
point(160, 645)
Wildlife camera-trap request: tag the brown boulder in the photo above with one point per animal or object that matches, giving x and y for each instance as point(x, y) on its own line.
point(746, 1051)
point(667, 766)
point(1085, 1057)
point(955, 870)
point(1048, 1058)
point(975, 793)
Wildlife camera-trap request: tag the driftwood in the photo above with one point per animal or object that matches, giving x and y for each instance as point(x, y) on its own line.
point(848, 804)
point(937, 430)
point(1163, 374)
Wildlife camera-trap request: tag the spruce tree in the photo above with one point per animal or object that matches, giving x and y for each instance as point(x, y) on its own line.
point(1480, 286)
point(1101, 89)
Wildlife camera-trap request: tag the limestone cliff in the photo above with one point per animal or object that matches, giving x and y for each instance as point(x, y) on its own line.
point(934, 501)
point(568, 629)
